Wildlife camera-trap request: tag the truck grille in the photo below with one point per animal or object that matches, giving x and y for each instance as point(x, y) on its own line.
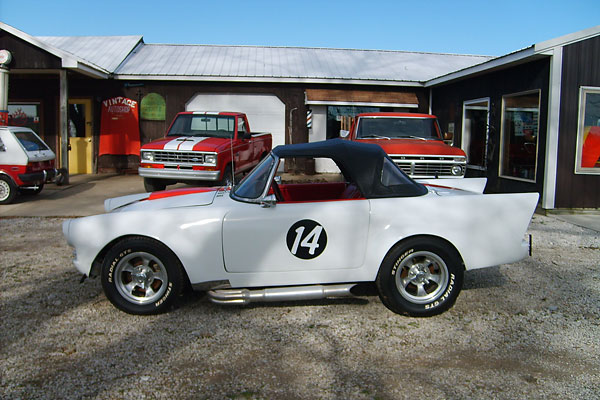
point(178, 157)
point(429, 166)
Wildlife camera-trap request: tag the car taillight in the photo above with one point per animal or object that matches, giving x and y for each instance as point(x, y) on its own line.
point(32, 167)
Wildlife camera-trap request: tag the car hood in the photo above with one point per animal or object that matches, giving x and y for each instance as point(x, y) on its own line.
point(188, 143)
point(186, 197)
point(415, 146)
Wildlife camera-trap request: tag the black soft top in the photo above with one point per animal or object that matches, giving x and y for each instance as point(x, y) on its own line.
point(361, 163)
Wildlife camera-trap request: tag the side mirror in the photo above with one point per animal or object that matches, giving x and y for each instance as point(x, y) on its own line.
point(448, 136)
point(246, 136)
point(268, 201)
point(344, 133)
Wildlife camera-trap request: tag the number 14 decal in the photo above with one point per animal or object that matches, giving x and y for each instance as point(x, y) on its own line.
point(306, 239)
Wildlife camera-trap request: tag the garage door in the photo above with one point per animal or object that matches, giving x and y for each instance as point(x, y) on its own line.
point(266, 113)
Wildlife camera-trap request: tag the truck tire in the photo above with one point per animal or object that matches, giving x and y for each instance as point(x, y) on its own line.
point(8, 190)
point(153, 185)
point(227, 179)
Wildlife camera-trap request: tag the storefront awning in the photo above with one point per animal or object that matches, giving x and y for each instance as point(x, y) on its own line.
point(361, 98)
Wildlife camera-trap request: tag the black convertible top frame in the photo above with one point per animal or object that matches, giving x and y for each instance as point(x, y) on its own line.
point(361, 163)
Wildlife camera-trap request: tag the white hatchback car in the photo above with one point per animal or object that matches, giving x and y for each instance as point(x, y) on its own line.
point(26, 162)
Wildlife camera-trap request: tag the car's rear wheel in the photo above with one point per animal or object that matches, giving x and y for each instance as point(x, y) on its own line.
point(142, 276)
point(154, 185)
point(8, 190)
point(421, 277)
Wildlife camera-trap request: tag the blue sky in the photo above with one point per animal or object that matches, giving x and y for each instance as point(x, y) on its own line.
point(466, 27)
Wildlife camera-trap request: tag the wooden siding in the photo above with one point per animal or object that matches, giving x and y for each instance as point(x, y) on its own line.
point(581, 67)
point(26, 55)
point(448, 102)
point(361, 96)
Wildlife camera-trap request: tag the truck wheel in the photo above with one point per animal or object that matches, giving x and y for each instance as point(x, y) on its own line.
point(227, 179)
point(153, 185)
point(141, 276)
point(421, 278)
point(8, 190)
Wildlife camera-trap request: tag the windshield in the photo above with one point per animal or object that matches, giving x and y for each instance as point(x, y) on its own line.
point(253, 185)
point(203, 125)
point(30, 141)
point(397, 127)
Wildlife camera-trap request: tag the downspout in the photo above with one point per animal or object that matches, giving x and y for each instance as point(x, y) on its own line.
point(5, 59)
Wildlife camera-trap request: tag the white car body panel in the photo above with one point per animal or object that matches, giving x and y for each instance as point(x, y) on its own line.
point(245, 244)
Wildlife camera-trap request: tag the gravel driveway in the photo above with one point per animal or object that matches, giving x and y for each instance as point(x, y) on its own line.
point(525, 330)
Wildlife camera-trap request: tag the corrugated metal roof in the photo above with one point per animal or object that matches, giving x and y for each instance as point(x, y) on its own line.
point(164, 61)
point(106, 52)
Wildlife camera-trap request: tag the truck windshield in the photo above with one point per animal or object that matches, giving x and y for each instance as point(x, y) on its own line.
point(397, 127)
point(30, 141)
point(203, 125)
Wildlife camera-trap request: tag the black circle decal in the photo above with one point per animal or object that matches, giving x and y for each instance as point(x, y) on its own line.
point(306, 239)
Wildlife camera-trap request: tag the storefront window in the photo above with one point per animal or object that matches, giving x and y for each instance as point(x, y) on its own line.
point(342, 117)
point(588, 133)
point(520, 125)
point(25, 114)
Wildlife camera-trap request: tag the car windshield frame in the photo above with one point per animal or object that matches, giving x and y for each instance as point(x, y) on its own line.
point(406, 128)
point(262, 174)
point(189, 124)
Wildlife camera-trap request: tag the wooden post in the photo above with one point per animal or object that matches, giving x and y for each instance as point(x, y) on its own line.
point(64, 125)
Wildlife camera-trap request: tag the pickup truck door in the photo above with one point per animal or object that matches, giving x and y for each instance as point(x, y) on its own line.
point(303, 236)
point(243, 148)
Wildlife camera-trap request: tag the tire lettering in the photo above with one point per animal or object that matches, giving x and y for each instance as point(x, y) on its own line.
point(444, 296)
point(167, 293)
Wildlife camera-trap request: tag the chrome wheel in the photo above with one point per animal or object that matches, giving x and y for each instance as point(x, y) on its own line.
point(141, 278)
point(421, 277)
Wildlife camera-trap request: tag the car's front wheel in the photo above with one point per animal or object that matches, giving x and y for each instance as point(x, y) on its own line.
point(142, 276)
point(421, 277)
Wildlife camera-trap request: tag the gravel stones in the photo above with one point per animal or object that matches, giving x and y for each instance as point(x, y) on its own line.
point(528, 329)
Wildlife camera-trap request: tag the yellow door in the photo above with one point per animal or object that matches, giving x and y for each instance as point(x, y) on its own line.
point(80, 136)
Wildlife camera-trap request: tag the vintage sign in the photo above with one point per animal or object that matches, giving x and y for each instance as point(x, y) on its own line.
point(119, 127)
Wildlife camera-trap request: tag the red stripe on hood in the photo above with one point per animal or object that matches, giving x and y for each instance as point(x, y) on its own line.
point(179, 192)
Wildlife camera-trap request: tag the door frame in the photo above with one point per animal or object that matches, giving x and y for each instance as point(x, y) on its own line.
point(88, 103)
point(464, 144)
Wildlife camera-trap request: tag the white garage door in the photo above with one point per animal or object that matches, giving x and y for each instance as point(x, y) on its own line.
point(266, 113)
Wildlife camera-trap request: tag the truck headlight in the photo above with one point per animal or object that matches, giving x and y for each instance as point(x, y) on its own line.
point(210, 159)
point(456, 170)
point(147, 156)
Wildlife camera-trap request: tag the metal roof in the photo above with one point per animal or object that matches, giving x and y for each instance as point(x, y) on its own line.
point(289, 64)
point(106, 52)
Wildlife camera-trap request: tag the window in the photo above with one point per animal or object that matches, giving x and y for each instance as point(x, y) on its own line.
point(202, 125)
point(342, 117)
point(588, 132)
point(475, 132)
point(25, 114)
point(519, 140)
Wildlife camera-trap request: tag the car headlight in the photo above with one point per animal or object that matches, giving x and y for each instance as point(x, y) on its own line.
point(456, 170)
point(210, 159)
point(147, 156)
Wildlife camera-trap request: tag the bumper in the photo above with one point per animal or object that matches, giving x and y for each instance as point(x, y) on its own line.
point(36, 178)
point(179, 174)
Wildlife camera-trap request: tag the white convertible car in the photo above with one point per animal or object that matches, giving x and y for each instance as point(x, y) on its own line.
point(274, 238)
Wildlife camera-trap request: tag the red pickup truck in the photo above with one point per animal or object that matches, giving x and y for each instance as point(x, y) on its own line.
point(413, 141)
point(202, 147)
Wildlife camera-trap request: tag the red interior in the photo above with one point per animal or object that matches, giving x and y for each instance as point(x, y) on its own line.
point(319, 191)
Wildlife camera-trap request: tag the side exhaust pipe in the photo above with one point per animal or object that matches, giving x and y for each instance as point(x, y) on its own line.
point(288, 293)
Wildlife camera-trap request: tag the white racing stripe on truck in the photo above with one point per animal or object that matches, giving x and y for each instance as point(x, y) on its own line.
point(184, 143)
